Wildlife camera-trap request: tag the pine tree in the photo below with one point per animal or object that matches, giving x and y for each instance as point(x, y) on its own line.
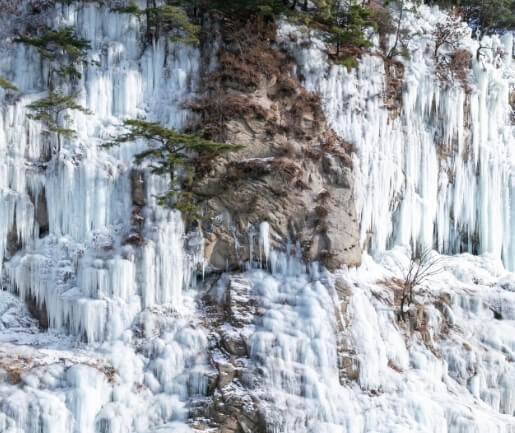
point(167, 19)
point(50, 109)
point(7, 85)
point(60, 46)
point(349, 26)
point(491, 15)
point(174, 154)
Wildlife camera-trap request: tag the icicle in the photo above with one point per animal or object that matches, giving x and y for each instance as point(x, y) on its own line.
point(264, 241)
point(441, 173)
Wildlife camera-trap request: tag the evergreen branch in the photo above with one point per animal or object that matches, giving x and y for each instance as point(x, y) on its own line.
point(7, 85)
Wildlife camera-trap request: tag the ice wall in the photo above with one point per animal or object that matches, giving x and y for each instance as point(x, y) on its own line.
point(441, 174)
point(65, 221)
point(127, 349)
point(80, 268)
point(327, 354)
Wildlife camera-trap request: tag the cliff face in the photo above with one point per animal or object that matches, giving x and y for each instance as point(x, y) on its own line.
point(251, 322)
point(439, 171)
point(294, 172)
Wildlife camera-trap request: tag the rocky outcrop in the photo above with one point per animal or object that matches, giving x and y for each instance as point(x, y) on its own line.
point(231, 406)
point(13, 241)
point(138, 198)
point(294, 172)
point(137, 187)
point(38, 311)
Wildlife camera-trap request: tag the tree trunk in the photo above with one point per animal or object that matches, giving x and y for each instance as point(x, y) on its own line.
point(394, 48)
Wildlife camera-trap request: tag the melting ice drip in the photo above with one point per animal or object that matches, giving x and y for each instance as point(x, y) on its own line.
point(442, 174)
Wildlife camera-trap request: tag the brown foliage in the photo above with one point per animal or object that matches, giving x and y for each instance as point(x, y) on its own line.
point(454, 67)
point(245, 59)
point(233, 70)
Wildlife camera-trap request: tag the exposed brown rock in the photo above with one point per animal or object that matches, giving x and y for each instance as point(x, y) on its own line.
point(38, 311)
point(348, 362)
point(41, 213)
point(394, 77)
point(13, 242)
point(290, 156)
point(137, 187)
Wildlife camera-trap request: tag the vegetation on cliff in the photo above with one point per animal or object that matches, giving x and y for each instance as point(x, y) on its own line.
point(50, 111)
point(345, 24)
point(487, 16)
point(62, 47)
point(164, 19)
point(174, 154)
point(7, 85)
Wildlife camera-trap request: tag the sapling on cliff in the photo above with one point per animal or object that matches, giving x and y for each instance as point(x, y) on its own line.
point(63, 48)
point(51, 110)
point(174, 154)
point(422, 267)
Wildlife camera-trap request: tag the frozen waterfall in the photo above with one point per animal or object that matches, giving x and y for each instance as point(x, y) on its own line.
point(442, 173)
point(129, 347)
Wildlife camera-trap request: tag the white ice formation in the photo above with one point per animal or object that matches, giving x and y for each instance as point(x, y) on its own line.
point(127, 349)
point(442, 173)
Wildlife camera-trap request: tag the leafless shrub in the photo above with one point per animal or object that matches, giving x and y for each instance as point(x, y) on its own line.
point(449, 33)
point(454, 67)
point(9, 7)
point(384, 19)
point(423, 266)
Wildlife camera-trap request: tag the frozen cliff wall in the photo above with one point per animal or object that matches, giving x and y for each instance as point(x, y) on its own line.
point(67, 240)
point(79, 267)
point(292, 348)
point(441, 173)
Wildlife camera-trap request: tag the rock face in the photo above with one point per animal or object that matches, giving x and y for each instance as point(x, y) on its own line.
point(294, 172)
point(232, 406)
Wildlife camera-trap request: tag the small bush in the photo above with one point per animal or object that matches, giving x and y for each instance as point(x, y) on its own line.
point(349, 61)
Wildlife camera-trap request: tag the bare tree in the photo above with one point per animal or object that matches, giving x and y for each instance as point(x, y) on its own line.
point(422, 267)
point(455, 63)
point(393, 50)
point(449, 33)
